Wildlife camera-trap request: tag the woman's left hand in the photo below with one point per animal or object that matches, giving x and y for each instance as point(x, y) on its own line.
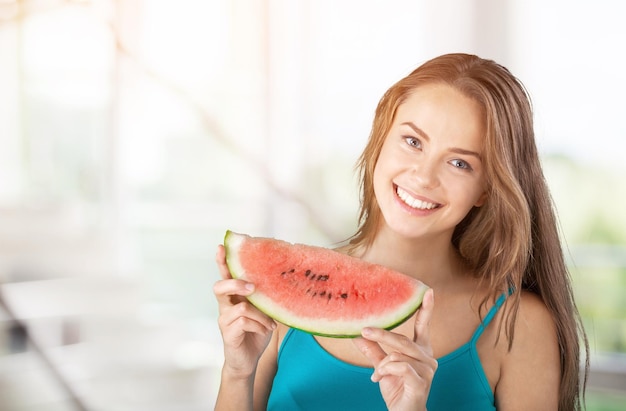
point(406, 370)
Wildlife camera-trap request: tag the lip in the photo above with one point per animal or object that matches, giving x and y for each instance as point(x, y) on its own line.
point(421, 205)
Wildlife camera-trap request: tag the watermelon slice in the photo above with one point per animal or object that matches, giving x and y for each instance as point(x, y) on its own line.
point(319, 290)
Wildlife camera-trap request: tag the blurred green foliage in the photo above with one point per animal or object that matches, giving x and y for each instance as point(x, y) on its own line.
point(590, 201)
point(605, 401)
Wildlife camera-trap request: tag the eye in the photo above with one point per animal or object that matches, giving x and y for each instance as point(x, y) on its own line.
point(463, 165)
point(413, 142)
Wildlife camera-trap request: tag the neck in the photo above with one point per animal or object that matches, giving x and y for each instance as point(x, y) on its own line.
point(434, 261)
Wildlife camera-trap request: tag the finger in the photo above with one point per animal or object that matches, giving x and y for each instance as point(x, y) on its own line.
point(415, 385)
point(422, 319)
point(225, 290)
point(245, 317)
point(395, 363)
point(220, 259)
point(382, 368)
point(393, 341)
point(243, 325)
point(370, 349)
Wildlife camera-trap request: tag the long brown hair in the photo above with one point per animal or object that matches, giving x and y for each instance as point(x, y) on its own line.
point(512, 241)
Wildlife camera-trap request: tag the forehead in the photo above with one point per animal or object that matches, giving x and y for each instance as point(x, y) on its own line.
point(442, 111)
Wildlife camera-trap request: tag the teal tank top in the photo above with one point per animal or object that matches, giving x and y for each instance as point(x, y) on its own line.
point(309, 378)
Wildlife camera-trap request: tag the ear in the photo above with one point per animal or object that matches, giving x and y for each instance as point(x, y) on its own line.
point(481, 200)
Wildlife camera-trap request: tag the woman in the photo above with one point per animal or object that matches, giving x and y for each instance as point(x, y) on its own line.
point(454, 195)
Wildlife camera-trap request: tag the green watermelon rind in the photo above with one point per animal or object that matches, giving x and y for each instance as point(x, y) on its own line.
point(350, 329)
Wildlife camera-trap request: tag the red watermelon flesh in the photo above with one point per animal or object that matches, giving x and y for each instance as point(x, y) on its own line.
point(319, 290)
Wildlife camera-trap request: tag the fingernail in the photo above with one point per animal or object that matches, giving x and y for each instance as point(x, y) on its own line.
point(249, 286)
point(366, 331)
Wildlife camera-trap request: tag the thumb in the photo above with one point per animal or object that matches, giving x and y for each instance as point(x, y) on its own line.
point(423, 317)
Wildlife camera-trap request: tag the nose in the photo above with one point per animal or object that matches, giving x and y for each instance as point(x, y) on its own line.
point(426, 173)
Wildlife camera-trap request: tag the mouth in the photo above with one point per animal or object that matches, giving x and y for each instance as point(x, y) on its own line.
point(413, 202)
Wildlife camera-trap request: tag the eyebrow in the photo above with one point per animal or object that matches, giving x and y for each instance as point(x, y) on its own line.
point(457, 150)
point(416, 129)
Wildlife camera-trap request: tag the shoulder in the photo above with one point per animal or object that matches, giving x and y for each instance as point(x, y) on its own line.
point(533, 360)
point(535, 329)
point(533, 315)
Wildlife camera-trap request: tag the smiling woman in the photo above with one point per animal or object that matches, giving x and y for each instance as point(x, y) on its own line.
point(441, 190)
point(430, 160)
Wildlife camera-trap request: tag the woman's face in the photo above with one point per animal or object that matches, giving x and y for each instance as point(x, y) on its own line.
point(430, 173)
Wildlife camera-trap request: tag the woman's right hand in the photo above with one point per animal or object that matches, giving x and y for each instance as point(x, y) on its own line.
point(246, 331)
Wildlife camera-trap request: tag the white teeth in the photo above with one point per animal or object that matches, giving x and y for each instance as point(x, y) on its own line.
point(414, 202)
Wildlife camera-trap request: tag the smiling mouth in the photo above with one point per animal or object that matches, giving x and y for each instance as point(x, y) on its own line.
point(413, 202)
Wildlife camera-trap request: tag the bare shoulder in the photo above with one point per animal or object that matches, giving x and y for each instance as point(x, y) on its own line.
point(533, 361)
point(535, 339)
point(533, 318)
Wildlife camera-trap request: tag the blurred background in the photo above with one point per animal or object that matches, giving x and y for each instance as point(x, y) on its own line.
point(133, 133)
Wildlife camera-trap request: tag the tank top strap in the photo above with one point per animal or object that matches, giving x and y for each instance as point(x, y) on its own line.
point(492, 313)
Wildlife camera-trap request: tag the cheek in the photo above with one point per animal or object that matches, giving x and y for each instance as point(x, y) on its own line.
point(378, 180)
point(482, 198)
point(383, 169)
point(481, 192)
point(467, 194)
point(382, 181)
